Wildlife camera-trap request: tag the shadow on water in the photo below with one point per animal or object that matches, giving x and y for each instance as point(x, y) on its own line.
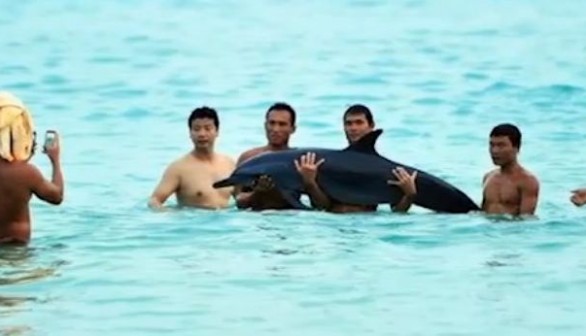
point(18, 265)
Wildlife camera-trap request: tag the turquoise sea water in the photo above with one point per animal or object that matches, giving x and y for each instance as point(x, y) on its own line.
point(118, 80)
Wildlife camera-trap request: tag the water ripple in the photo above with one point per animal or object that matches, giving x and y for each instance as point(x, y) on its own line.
point(436, 75)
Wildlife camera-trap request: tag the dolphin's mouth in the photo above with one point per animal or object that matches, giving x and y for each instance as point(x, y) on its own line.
point(223, 183)
point(233, 181)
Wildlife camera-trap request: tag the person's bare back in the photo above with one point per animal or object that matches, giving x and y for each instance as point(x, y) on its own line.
point(19, 181)
point(513, 193)
point(191, 179)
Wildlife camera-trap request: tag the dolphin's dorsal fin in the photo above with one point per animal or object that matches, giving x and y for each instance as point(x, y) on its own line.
point(366, 143)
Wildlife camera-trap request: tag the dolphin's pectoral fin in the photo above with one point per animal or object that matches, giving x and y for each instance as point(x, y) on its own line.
point(294, 200)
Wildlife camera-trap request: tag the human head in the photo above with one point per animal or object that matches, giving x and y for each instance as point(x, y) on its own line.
point(505, 142)
point(279, 124)
point(358, 121)
point(17, 129)
point(203, 125)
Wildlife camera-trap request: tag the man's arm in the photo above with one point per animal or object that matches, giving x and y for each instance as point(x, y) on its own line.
point(262, 193)
point(484, 179)
point(307, 166)
point(404, 204)
point(317, 197)
point(529, 196)
point(48, 191)
point(245, 200)
point(407, 184)
point(167, 186)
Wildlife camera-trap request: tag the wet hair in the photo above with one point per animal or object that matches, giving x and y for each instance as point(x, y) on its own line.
point(510, 131)
point(204, 112)
point(359, 109)
point(283, 107)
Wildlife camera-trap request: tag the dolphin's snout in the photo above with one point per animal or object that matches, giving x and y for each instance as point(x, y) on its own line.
point(223, 183)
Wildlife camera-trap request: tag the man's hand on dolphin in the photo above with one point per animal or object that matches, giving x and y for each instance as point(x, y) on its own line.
point(263, 184)
point(307, 166)
point(404, 181)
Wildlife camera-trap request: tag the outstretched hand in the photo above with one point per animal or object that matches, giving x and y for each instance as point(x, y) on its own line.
point(404, 181)
point(578, 197)
point(307, 167)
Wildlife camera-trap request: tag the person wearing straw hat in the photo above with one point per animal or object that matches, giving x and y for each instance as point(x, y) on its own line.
point(20, 179)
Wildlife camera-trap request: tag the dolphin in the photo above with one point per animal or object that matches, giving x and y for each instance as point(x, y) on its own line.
point(357, 175)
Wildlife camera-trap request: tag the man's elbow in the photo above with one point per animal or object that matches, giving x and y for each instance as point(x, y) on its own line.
point(56, 199)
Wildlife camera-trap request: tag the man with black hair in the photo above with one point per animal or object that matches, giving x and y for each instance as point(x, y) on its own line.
point(191, 176)
point(279, 126)
point(509, 189)
point(358, 121)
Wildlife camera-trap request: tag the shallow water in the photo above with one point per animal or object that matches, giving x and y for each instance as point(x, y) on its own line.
point(118, 80)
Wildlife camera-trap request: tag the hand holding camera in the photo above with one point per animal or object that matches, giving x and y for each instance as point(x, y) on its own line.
point(51, 146)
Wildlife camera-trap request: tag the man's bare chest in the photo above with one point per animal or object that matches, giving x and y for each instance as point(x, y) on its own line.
point(502, 190)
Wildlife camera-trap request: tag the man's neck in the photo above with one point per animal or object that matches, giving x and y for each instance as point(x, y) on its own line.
point(203, 154)
point(510, 167)
point(277, 147)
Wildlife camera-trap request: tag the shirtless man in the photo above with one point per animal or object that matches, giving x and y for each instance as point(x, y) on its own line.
point(509, 189)
point(191, 176)
point(279, 126)
point(358, 121)
point(18, 182)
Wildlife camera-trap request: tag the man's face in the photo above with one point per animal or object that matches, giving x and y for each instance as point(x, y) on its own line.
point(203, 133)
point(279, 127)
point(356, 126)
point(502, 151)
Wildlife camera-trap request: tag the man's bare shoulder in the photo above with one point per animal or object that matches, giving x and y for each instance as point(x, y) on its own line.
point(490, 174)
point(529, 179)
point(251, 153)
point(19, 168)
point(179, 163)
point(224, 158)
point(22, 173)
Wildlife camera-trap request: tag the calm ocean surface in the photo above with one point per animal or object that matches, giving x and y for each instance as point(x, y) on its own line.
point(119, 79)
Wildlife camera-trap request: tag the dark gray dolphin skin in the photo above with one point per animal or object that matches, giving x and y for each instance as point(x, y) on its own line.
point(355, 175)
